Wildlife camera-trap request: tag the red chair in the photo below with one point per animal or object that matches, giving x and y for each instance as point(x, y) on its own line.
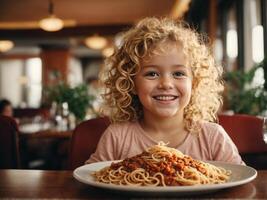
point(9, 145)
point(247, 133)
point(84, 140)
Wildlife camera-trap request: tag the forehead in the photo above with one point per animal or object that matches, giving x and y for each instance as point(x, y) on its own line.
point(166, 53)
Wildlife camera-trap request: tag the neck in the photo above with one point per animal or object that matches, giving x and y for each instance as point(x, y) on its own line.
point(163, 125)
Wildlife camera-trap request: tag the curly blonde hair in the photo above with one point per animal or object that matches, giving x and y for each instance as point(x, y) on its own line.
point(138, 43)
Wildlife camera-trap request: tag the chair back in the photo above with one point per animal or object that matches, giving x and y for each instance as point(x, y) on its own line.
point(9, 146)
point(85, 139)
point(246, 131)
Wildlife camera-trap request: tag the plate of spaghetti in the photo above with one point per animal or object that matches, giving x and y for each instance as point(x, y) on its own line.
point(163, 169)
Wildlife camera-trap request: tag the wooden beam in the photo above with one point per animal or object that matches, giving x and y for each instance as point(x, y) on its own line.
point(179, 9)
point(55, 65)
point(18, 56)
point(104, 30)
point(212, 21)
point(240, 33)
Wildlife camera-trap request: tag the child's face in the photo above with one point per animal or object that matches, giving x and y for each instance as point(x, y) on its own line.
point(164, 83)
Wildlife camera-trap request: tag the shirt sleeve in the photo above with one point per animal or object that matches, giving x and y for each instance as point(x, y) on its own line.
point(223, 148)
point(106, 148)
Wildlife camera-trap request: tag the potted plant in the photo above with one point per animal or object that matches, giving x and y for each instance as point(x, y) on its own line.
point(77, 98)
point(244, 97)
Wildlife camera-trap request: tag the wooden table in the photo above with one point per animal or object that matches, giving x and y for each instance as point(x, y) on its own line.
point(43, 130)
point(61, 184)
point(49, 133)
point(48, 147)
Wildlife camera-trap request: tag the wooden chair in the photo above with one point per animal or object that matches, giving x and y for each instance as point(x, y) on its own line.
point(9, 145)
point(84, 140)
point(247, 133)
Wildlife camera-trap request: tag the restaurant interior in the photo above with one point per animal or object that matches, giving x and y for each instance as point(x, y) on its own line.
point(51, 53)
point(51, 56)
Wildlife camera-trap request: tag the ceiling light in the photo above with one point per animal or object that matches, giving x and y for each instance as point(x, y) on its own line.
point(96, 42)
point(51, 23)
point(6, 45)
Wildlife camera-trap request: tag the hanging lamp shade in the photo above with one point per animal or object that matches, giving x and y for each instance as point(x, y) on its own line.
point(96, 42)
point(51, 23)
point(6, 45)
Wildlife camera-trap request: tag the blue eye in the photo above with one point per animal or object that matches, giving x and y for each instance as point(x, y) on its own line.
point(178, 74)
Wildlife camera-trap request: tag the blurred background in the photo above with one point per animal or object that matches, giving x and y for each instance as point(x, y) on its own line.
point(51, 52)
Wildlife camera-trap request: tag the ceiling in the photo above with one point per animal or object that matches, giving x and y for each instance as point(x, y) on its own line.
point(85, 12)
point(19, 19)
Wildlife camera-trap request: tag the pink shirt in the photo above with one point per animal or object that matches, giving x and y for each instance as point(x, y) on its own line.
point(123, 140)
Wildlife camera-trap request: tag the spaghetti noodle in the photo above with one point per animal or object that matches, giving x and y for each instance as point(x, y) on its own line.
point(161, 166)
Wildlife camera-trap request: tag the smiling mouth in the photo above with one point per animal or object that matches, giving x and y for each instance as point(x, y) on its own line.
point(165, 97)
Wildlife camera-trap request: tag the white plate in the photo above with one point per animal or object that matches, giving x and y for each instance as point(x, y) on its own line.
point(240, 175)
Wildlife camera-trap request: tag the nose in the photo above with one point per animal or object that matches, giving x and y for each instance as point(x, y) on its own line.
point(166, 82)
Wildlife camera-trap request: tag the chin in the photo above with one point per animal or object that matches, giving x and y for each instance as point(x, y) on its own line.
point(167, 114)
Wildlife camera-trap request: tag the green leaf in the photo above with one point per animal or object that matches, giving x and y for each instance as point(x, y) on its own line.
point(77, 98)
point(243, 99)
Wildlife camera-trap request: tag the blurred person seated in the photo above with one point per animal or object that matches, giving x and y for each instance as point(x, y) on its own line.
point(6, 108)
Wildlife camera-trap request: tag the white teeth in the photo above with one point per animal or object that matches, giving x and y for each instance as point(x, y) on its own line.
point(165, 98)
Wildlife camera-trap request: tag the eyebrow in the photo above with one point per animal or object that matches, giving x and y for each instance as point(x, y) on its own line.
point(177, 65)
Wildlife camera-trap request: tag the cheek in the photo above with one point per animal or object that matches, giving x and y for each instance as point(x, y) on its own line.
point(143, 86)
point(143, 91)
point(186, 87)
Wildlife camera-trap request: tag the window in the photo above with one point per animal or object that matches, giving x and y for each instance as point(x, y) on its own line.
point(21, 81)
point(34, 82)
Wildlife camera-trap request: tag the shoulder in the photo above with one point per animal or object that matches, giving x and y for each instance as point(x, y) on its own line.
point(213, 133)
point(210, 125)
point(212, 129)
point(220, 144)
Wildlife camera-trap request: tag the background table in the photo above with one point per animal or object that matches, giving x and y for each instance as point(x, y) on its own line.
point(61, 184)
point(45, 149)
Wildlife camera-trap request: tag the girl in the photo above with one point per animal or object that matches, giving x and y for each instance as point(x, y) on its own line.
point(162, 84)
